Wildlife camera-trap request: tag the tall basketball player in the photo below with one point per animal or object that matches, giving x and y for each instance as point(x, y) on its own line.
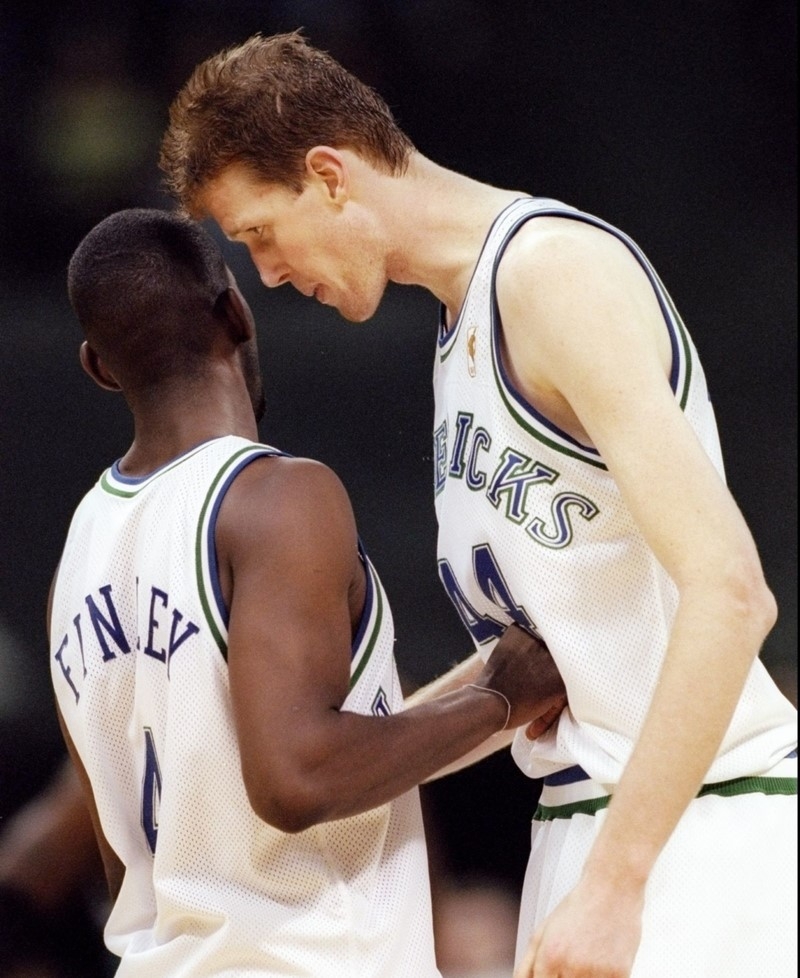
point(580, 492)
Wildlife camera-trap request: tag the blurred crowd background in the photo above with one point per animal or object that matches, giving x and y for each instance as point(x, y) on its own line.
point(675, 121)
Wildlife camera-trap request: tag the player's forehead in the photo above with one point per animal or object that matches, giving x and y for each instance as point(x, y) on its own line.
point(237, 200)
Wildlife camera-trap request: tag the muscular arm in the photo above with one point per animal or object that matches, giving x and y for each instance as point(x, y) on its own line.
point(287, 551)
point(580, 301)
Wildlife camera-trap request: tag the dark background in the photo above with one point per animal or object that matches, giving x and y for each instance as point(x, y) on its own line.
point(675, 121)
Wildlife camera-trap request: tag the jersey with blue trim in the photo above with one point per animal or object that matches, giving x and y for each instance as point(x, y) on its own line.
point(533, 529)
point(138, 664)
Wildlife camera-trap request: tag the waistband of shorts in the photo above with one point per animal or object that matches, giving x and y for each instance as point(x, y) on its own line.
point(571, 791)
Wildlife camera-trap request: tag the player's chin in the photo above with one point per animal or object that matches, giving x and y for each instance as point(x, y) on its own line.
point(359, 317)
point(357, 313)
point(357, 306)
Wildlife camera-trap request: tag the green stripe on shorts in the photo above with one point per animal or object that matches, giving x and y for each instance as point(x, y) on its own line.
point(736, 786)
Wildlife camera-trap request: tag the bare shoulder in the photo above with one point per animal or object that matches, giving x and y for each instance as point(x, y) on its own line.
point(284, 501)
point(563, 279)
point(553, 252)
point(576, 310)
point(290, 483)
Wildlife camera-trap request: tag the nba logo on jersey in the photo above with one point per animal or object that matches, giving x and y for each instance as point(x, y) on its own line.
point(471, 350)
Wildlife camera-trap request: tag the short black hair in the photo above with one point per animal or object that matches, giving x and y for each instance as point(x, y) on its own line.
point(144, 284)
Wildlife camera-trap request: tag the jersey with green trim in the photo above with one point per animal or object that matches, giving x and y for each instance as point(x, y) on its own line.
point(532, 529)
point(138, 663)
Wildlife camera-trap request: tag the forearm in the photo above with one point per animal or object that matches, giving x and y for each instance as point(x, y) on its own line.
point(466, 671)
point(460, 675)
point(306, 760)
point(499, 741)
point(352, 763)
point(705, 669)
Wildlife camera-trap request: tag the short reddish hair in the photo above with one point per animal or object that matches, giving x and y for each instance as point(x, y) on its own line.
point(264, 104)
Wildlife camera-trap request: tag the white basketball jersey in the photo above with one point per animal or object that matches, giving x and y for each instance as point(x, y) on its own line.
point(138, 657)
point(532, 528)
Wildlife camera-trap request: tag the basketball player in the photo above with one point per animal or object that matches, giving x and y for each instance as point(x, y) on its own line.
point(221, 653)
point(579, 491)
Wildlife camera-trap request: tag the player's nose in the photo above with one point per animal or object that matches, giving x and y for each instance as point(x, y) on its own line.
point(271, 271)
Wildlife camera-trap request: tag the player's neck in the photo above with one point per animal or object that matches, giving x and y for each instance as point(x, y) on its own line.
point(168, 424)
point(443, 229)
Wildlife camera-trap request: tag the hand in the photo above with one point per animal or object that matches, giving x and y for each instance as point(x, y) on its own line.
point(593, 933)
point(522, 669)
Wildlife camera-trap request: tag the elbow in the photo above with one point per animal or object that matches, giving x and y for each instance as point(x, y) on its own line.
point(289, 818)
point(753, 604)
point(767, 609)
point(287, 804)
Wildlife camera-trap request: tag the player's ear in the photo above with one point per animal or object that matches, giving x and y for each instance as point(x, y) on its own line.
point(233, 306)
point(96, 369)
point(326, 164)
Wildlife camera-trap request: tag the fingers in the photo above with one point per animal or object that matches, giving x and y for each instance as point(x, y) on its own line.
point(538, 726)
point(522, 669)
point(524, 968)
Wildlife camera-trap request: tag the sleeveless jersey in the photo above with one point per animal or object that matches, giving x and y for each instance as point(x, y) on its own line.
point(138, 662)
point(532, 529)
